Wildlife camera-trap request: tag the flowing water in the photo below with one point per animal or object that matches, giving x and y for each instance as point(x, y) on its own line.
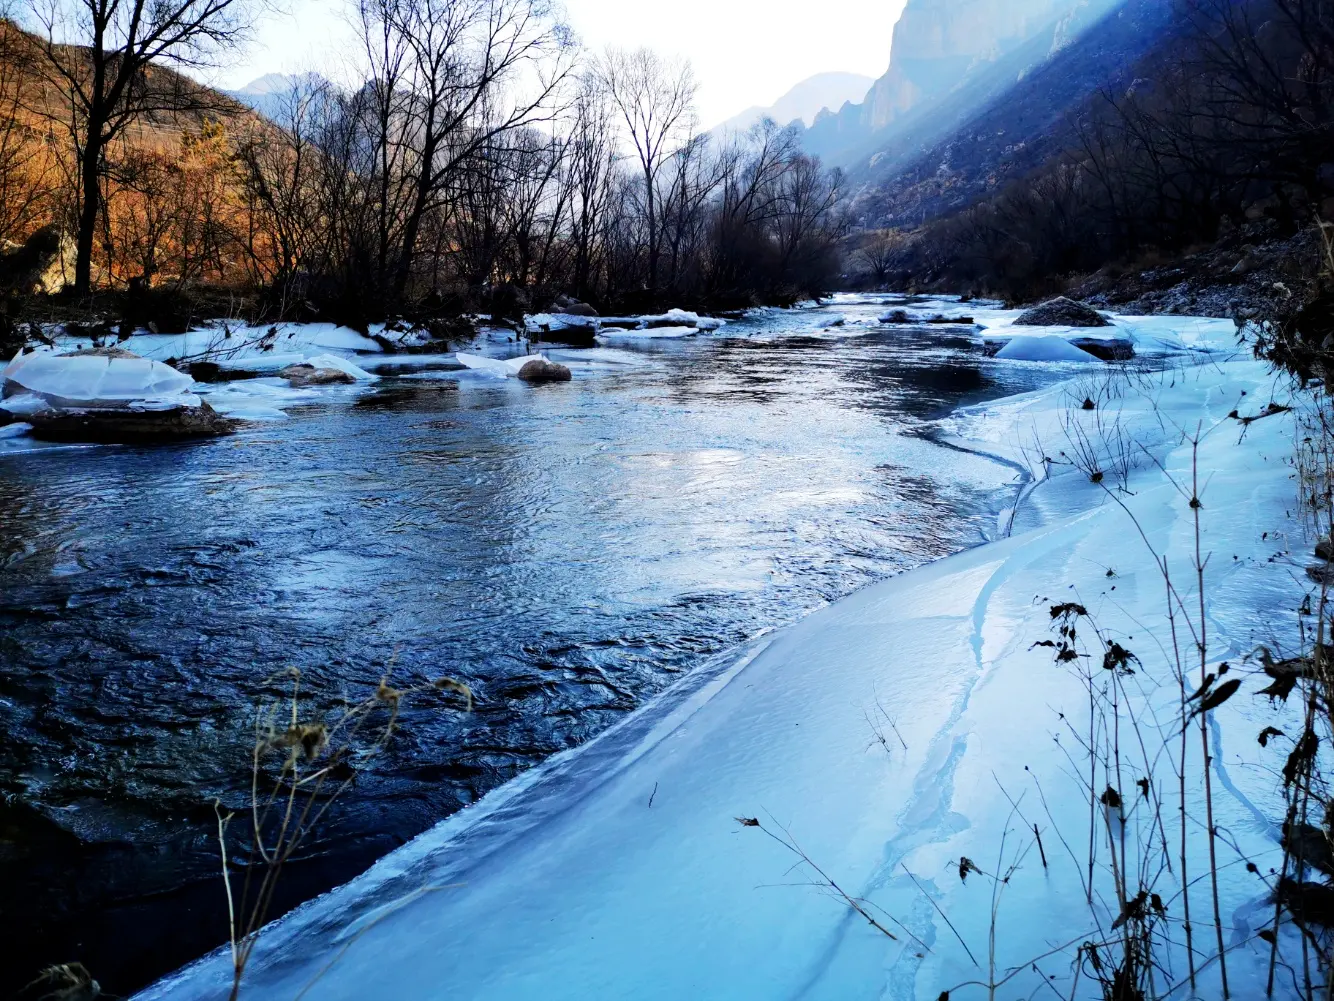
point(565, 550)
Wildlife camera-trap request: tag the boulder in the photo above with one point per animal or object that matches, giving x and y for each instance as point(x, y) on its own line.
point(305, 374)
point(129, 425)
point(579, 309)
point(1061, 312)
point(896, 316)
point(44, 263)
point(212, 372)
point(541, 370)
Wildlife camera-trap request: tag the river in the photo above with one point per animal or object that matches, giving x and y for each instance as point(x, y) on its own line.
point(565, 550)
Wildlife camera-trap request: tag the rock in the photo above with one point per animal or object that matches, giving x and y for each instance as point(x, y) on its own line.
point(1246, 265)
point(102, 352)
point(1061, 312)
point(562, 328)
point(1324, 550)
point(896, 316)
point(43, 264)
point(541, 370)
point(1119, 349)
point(1322, 574)
point(98, 378)
point(129, 425)
point(211, 371)
point(304, 375)
point(579, 309)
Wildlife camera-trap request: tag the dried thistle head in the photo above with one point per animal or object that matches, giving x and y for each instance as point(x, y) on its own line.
point(387, 694)
point(450, 685)
point(304, 740)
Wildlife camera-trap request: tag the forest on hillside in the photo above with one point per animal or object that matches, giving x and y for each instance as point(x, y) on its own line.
point(487, 163)
point(1218, 137)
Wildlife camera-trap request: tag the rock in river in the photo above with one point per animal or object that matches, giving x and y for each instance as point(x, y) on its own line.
point(541, 370)
point(1061, 312)
point(129, 425)
point(106, 396)
point(306, 374)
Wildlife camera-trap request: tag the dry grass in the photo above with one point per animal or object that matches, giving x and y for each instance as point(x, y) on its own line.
point(300, 766)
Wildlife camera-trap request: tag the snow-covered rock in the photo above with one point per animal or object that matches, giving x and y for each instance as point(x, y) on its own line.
point(93, 379)
point(341, 364)
point(23, 404)
point(553, 322)
point(1049, 348)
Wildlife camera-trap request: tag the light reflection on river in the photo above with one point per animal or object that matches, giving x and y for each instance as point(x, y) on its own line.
point(566, 550)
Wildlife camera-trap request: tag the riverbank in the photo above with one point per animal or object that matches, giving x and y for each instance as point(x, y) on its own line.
point(885, 735)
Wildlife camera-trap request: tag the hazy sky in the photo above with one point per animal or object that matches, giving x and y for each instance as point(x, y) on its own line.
point(745, 52)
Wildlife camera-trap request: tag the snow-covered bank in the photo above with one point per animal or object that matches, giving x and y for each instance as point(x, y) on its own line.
point(618, 870)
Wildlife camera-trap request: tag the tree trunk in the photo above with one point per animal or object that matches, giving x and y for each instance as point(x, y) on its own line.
point(90, 165)
point(652, 237)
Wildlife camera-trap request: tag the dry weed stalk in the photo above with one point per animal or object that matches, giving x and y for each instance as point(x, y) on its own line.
point(299, 768)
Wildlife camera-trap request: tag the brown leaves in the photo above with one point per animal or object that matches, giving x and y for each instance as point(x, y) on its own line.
point(1266, 733)
point(966, 865)
point(1110, 799)
point(1302, 755)
point(1067, 609)
point(1118, 658)
point(747, 821)
point(1220, 695)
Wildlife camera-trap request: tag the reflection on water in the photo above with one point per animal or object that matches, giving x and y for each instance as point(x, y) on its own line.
point(566, 550)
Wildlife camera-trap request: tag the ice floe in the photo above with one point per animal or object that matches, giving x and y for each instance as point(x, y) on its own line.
point(1048, 348)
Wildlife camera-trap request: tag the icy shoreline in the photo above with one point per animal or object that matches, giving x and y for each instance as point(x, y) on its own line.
point(618, 869)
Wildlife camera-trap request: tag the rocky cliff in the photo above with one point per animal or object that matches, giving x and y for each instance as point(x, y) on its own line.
point(946, 49)
point(938, 42)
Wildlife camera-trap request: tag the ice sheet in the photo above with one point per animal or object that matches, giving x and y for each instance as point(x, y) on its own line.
point(619, 869)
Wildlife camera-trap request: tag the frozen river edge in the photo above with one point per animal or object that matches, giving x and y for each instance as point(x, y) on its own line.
point(618, 870)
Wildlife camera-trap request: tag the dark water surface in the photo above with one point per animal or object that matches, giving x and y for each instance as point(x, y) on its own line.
point(566, 550)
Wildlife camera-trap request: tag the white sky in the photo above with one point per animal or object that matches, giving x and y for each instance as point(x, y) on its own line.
point(745, 52)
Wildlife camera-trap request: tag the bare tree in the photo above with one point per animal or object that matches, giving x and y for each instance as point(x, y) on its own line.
point(592, 156)
point(655, 98)
point(454, 76)
point(23, 165)
point(101, 53)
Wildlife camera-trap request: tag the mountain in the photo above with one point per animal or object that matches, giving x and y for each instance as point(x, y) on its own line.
point(1005, 127)
point(948, 58)
point(271, 94)
point(804, 101)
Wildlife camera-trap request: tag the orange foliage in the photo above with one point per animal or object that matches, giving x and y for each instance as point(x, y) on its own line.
point(174, 210)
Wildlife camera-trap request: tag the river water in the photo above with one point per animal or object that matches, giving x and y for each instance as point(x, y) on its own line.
point(565, 550)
